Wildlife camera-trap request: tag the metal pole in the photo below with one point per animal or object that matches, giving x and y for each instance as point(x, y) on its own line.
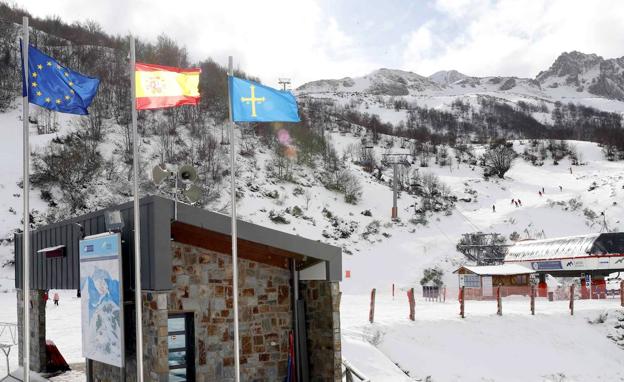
point(138, 305)
point(26, 229)
point(395, 211)
point(297, 360)
point(234, 239)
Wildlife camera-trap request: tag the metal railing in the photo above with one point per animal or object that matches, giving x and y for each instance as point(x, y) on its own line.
point(8, 339)
point(350, 372)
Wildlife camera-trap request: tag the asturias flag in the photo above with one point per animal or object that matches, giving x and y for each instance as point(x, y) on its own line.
point(160, 86)
point(253, 102)
point(56, 87)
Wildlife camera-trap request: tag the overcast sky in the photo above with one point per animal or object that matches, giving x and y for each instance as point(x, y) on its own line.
point(308, 40)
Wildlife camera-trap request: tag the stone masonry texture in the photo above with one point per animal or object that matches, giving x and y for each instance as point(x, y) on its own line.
point(322, 301)
point(38, 359)
point(202, 282)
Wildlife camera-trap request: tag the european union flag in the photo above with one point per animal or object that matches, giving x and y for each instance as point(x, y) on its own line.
point(253, 102)
point(56, 87)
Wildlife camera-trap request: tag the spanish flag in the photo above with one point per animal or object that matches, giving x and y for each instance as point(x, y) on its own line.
point(165, 86)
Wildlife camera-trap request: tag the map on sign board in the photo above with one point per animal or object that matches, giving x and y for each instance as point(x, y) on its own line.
point(101, 297)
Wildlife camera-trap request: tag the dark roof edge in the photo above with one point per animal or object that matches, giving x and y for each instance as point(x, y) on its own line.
point(221, 223)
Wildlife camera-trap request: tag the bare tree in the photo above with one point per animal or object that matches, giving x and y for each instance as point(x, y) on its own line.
point(497, 161)
point(307, 197)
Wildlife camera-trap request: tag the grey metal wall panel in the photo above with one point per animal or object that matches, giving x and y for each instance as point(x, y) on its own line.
point(64, 273)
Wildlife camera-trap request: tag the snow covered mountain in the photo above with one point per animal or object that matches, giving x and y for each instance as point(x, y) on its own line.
point(447, 77)
point(389, 82)
point(586, 72)
point(327, 180)
point(576, 77)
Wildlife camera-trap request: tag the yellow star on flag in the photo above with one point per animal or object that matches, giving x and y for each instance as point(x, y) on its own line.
point(39, 66)
point(34, 84)
point(67, 97)
point(71, 83)
point(47, 99)
point(66, 74)
point(34, 74)
point(58, 101)
point(38, 93)
point(49, 63)
point(71, 91)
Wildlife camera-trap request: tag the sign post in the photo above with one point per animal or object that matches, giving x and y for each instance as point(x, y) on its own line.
point(572, 300)
point(371, 313)
point(588, 284)
point(412, 303)
point(461, 301)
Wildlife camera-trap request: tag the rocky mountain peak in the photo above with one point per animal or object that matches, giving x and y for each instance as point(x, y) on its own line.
point(570, 66)
point(447, 77)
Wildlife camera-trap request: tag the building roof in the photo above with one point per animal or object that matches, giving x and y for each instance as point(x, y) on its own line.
point(497, 270)
point(157, 216)
point(561, 247)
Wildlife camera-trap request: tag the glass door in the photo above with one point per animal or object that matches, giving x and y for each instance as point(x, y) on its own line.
point(181, 342)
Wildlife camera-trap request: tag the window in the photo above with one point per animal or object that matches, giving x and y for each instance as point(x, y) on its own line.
point(180, 342)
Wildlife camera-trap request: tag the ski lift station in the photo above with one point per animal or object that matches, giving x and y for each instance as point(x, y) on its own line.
point(592, 257)
point(288, 295)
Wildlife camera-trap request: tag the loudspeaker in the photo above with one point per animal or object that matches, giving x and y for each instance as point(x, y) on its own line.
point(159, 174)
point(193, 193)
point(187, 173)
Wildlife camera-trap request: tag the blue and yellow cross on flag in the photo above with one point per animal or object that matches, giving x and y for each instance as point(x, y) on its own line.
point(253, 102)
point(55, 87)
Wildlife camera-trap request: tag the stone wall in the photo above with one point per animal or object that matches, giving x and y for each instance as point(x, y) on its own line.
point(202, 282)
point(322, 301)
point(38, 359)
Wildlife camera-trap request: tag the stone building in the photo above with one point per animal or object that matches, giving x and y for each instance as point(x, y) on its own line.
point(287, 284)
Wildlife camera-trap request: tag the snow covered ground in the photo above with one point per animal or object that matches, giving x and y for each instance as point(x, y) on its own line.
point(483, 347)
point(62, 326)
point(439, 345)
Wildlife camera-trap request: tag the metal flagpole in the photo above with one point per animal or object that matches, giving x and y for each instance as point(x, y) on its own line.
point(138, 305)
point(234, 239)
point(26, 233)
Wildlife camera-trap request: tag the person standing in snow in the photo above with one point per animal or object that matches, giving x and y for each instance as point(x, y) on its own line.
point(520, 202)
point(513, 201)
point(543, 192)
point(560, 188)
point(45, 297)
point(540, 193)
point(56, 298)
point(493, 208)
